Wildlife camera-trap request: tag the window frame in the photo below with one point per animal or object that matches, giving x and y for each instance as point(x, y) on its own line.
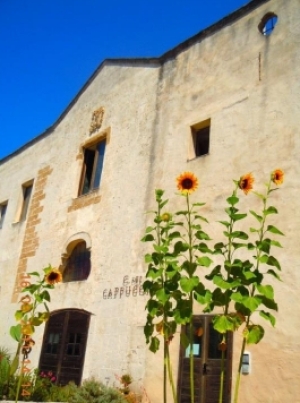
point(70, 276)
point(27, 190)
point(90, 168)
point(3, 210)
point(268, 24)
point(202, 128)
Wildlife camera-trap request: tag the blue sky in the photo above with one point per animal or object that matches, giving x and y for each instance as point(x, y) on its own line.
point(49, 49)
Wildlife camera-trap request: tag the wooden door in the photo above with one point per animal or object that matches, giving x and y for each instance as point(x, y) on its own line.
point(64, 345)
point(207, 364)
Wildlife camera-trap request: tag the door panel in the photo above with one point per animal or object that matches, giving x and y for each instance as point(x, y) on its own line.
point(207, 364)
point(64, 345)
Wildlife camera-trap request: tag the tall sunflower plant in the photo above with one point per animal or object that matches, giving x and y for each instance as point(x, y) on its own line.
point(241, 283)
point(179, 248)
point(33, 312)
point(238, 286)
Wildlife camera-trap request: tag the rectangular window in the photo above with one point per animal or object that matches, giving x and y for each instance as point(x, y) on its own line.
point(200, 136)
point(92, 167)
point(3, 208)
point(27, 190)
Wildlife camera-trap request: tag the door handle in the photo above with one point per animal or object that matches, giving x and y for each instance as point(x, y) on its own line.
point(204, 371)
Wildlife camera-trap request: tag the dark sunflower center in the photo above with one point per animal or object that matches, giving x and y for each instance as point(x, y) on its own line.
point(52, 276)
point(244, 184)
point(187, 183)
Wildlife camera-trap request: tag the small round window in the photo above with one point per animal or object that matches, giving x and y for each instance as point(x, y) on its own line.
point(267, 24)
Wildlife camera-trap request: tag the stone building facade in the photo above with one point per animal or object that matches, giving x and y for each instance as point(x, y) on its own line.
point(77, 194)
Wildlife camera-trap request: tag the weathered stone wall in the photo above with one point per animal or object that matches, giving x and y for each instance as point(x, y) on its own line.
point(247, 85)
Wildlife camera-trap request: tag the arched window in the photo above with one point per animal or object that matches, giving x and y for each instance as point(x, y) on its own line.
point(78, 263)
point(267, 24)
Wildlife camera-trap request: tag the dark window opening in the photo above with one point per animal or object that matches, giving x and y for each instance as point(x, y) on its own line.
point(201, 140)
point(27, 190)
point(78, 265)
point(92, 168)
point(3, 208)
point(73, 346)
point(52, 343)
point(267, 24)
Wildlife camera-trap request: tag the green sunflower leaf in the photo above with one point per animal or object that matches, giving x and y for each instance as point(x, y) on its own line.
point(237, 217)
point(216, 270)
point(271, 210)
point(257, 216)
point(223, 324)
point(239, 235)
point(182, 312)
point(225, 223)
point(237, 245)
point(269, 303)
point(15, 332)
point(19, 315)
point(272, 261)
point(36, 321)
point(153, 307)
point(162, 295)
point(204, 261)
point(34, 273)
point(252, 303)
point(268, 316)
point(261, 196)
point(276, 243)
point(255, 334)
point(188, 284)
point(154, 344)
point(149, 229)
point(202, 235)
point(274, 274)
point(264, 245)
point(175, 234)
point(148, 258)
point(180, 247)
point(218, 297)
point(232, 200)
point(274, 230)
point(184, 340)
point(200, 217)
point(225, 285)
point(148, 238)
point(182, 212)
point(266, 290)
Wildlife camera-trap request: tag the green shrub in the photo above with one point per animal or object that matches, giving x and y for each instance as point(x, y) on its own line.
point(93, 391)
point(62, 393)
point(4, 371)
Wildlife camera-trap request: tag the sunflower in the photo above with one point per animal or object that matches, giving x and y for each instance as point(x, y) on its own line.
point(166, 217)
point(54, 276)
point(277, 176)
point(187, 182)
point(246, 183)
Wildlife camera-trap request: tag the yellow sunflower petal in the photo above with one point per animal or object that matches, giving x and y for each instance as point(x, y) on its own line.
point(246, 183)
point(277, 176)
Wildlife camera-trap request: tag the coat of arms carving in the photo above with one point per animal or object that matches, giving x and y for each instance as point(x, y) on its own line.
point(97, 118)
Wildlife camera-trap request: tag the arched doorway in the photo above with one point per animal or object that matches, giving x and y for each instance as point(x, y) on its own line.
point(64, 345)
